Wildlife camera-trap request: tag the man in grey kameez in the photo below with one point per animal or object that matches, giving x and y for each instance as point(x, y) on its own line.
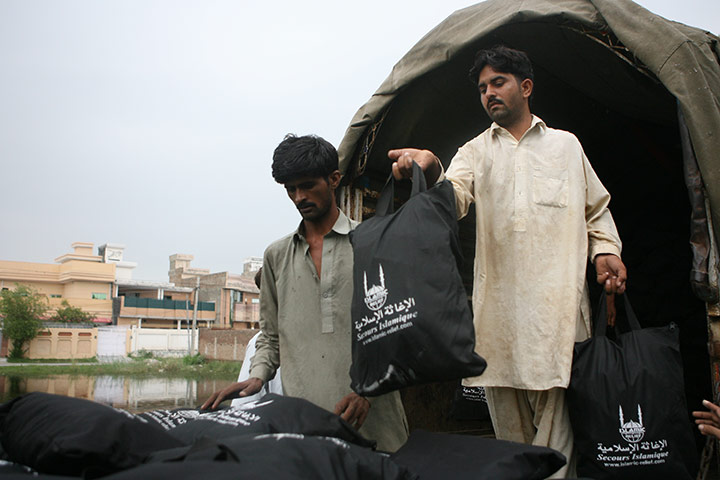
point(305, 297)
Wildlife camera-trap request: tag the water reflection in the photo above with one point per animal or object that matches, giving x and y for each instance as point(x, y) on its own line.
point(129, 393)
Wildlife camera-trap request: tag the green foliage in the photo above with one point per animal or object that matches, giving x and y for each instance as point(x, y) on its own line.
point(141, 355)
point(69, 314)
point(22, 310)
point(26, 361)
point(196, 359)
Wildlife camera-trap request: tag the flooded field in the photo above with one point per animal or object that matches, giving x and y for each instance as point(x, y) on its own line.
point(128, 393)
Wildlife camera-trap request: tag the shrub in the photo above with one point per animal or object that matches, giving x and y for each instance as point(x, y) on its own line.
point(22, 310)
point(196, 359)
point(69, 314)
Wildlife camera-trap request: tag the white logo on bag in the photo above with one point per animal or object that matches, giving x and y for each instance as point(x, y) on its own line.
point(632, 431)
point(377, 295)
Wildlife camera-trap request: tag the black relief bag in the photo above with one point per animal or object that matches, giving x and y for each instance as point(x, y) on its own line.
point(469, 403)
point(443, 456)
point(627, 404)
point(281, 456)
point(69, 436)
point(411, 320)
point(270, 414)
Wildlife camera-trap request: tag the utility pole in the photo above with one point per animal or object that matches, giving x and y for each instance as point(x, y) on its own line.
point(194, 325)
point(187, 322)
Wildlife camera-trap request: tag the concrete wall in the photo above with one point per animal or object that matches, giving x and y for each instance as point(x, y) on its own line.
point(246, 315)
point(62, 343)
point(224, 344)
point(163, 341)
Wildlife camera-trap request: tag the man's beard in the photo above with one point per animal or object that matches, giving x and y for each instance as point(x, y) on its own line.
point(316, 213)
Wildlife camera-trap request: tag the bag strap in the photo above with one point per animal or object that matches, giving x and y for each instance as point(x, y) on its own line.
point(601, 317)
point(419, 184)
point(385, 203)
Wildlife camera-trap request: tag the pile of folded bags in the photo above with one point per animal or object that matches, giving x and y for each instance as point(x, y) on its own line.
point(47, 436)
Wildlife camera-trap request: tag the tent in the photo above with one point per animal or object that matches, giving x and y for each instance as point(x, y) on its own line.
point(642, 94)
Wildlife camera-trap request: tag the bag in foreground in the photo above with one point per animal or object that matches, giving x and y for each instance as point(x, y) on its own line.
point(627, 404)
point(412, 322)
point(442, 456)
point(282, 456)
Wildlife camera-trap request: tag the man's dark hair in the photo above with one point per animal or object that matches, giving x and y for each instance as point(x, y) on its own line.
point(504, 60)
point(306, 156)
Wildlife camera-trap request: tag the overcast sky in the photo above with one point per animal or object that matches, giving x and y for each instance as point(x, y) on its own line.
point(152, 123)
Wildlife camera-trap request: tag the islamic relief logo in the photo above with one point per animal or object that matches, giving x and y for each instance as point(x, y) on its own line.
point(376, 296)
point(632, 431)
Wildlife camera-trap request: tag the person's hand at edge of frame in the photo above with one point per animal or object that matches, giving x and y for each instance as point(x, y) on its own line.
point(611, 273)
point(353, 409)
point(403, 159)
point(237, 390)
point(708, 422)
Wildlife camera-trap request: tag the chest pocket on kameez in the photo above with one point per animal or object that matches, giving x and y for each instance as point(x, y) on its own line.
point(550, 187)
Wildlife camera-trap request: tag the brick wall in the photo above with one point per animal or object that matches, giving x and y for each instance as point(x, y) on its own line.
point(224, 344)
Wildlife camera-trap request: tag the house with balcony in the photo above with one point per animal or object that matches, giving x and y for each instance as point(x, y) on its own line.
point(235, 296)
point(79, 277)
point(151, 304)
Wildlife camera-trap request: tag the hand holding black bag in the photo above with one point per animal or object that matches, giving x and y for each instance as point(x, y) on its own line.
point(411, 320)
point(627, 404)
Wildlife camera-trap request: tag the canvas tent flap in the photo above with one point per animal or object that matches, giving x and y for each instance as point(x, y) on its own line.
point(684, 59)
point(686, 62)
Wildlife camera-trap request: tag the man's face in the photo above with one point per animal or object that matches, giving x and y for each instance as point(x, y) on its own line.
point(503, 97)
point(312, 196)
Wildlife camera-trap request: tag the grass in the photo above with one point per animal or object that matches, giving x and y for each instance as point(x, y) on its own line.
point(52, 360)
point(194, 367)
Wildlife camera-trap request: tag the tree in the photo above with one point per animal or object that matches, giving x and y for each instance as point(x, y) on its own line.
point(22, 310)
point(69, 314)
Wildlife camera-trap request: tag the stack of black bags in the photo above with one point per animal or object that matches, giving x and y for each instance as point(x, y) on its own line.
point(52, 436)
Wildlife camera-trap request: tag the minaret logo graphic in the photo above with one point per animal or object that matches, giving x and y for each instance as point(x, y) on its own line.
point(632, 431)
point(376, 296)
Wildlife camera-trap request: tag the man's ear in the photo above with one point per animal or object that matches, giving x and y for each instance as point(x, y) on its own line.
point(334, 179)
point(526, 87)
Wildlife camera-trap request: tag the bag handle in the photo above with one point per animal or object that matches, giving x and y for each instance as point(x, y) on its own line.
point(601, 317)
point(385, 202)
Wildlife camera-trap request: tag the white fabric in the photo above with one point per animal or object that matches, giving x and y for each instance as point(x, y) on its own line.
point(272, 386)
point(541, 211)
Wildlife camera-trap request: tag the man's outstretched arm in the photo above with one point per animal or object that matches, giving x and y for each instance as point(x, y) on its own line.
point(238, 389)
point(403, 159)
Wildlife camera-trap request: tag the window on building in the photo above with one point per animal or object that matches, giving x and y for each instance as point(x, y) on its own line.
point(99, 296)
point(255, 300)
point(55, 295)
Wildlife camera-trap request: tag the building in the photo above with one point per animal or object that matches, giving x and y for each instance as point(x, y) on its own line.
point(102, 285)
point(150, 304)
point(80, 277)
point(252, 265)
point(236, 297)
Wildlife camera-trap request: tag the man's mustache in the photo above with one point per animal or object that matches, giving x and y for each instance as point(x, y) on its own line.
point(302, 205)
point(495, 101)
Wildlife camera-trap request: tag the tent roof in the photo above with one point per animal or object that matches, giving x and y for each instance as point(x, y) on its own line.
point(651, 54)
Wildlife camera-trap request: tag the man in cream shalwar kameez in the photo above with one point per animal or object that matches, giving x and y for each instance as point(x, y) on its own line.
point(541, 211)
